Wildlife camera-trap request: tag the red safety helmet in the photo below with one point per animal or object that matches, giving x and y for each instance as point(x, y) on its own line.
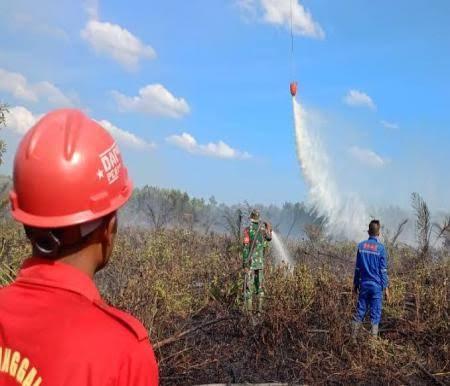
point(67, 171)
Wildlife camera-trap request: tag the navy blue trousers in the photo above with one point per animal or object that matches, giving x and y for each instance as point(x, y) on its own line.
point(370, 298)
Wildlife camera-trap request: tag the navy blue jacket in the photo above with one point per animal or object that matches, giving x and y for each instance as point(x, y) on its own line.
point(371, 263)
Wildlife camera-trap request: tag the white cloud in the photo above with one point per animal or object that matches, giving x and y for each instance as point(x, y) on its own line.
point(368, 157)
point(153, 99)
point(390, 125)
point(125, 137)
point(53, 94)
point(20, 120)
point(357, 98)
point(116, 42)
point(278, 12)
point(18, 86)
point(220, 149)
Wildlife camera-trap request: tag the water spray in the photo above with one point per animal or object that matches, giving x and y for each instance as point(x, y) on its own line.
point(347, 215)
point(280, 252)
point(344, 216)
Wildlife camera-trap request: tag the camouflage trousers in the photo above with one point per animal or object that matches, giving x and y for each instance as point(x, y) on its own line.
point(254, 285)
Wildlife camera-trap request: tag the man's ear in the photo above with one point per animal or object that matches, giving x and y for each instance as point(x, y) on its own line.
point(109, 230)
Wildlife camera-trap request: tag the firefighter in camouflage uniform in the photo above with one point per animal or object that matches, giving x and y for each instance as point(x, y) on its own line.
point(256, 240)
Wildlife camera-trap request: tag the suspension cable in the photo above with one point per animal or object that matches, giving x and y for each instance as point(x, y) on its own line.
point(292, 44)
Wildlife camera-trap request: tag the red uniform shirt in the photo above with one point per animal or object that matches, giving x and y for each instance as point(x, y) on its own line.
point(55, 330)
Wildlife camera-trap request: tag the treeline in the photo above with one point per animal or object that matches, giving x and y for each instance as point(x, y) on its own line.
point(158, 208)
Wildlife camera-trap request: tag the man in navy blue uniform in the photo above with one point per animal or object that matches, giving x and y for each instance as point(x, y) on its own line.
point(371, 279)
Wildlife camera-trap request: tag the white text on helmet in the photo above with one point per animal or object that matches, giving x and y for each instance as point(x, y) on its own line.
point(111, 163)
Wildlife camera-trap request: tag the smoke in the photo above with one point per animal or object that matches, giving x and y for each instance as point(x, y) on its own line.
point(345, 216)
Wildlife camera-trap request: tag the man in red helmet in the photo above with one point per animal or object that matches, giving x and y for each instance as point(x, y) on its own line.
point(69, 181)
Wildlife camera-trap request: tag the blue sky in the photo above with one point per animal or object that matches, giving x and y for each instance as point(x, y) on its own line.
point(196, 92)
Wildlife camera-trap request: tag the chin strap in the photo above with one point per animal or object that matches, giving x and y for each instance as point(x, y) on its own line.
point(48, 242)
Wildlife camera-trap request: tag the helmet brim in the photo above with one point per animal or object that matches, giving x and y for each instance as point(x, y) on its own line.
point(72, 219)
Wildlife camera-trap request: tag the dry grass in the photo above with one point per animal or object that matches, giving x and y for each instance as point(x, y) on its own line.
point(181, 281)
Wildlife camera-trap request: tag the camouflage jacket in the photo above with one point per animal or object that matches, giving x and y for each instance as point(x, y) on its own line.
point(256, 241)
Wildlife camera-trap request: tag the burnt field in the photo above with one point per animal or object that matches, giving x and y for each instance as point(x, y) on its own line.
point(186, 288)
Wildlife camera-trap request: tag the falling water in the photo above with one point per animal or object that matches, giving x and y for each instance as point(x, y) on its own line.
point(280, 252)
point(345, 215)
